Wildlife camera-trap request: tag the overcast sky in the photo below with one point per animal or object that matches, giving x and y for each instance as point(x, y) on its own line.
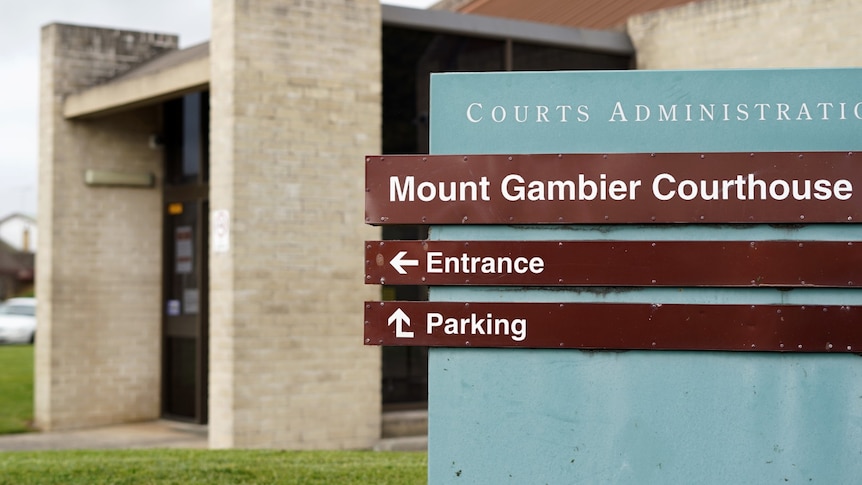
point(20, 26)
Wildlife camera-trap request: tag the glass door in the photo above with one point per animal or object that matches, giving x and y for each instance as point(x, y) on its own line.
point(185, 300)
point(185, 311)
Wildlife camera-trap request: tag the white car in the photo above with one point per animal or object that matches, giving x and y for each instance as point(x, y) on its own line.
point(18, 321)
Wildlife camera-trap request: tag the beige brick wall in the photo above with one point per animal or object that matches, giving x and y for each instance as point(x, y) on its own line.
point(749, 34)
point(295, 104)
point(99, 252)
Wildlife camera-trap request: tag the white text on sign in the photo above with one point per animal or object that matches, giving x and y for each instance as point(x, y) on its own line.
point(664, 187)
point(466, 264)
point(476, 325)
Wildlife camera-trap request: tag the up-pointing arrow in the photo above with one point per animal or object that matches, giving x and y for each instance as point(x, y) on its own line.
point(398, 262)
point(400, 318)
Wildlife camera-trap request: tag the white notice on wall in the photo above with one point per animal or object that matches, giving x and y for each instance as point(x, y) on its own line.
point(190, 301)
point(221, 231)
point(184, 249)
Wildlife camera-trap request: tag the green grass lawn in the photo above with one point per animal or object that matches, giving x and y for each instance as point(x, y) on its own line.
point(179, 466)
point(212, 467)
point(16, 388)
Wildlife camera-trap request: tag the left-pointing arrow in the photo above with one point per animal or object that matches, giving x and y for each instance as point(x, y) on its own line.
point(398, 262)
point(400, 318)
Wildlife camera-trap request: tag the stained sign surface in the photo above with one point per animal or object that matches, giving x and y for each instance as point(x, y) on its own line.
point(615, 263)
point(784, 328)
point(775, 187)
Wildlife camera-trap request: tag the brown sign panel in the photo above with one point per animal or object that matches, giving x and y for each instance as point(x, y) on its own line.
point(620, 326)
point(775, 187)
point(615, 263)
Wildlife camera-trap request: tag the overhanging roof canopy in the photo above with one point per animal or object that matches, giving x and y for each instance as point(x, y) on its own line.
point(442, 21)
point(167, 76)
point(180, 72)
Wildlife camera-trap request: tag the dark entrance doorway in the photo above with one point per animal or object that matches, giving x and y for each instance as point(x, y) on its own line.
point(416, 43)
point(185, 301)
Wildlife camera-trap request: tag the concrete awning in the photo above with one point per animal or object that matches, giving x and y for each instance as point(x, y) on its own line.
point(168, 76)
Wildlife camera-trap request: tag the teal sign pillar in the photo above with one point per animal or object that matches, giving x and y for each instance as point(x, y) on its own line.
point(639, 417)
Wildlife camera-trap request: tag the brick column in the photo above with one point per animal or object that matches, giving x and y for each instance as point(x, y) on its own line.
point(99, 253)
point(295, 100)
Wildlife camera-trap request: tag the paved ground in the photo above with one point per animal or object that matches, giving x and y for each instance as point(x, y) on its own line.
point(151, 434)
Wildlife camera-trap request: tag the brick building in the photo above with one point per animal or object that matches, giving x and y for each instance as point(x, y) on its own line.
point(201, 221)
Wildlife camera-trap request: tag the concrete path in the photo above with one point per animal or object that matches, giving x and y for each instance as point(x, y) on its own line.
point(151, 434)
